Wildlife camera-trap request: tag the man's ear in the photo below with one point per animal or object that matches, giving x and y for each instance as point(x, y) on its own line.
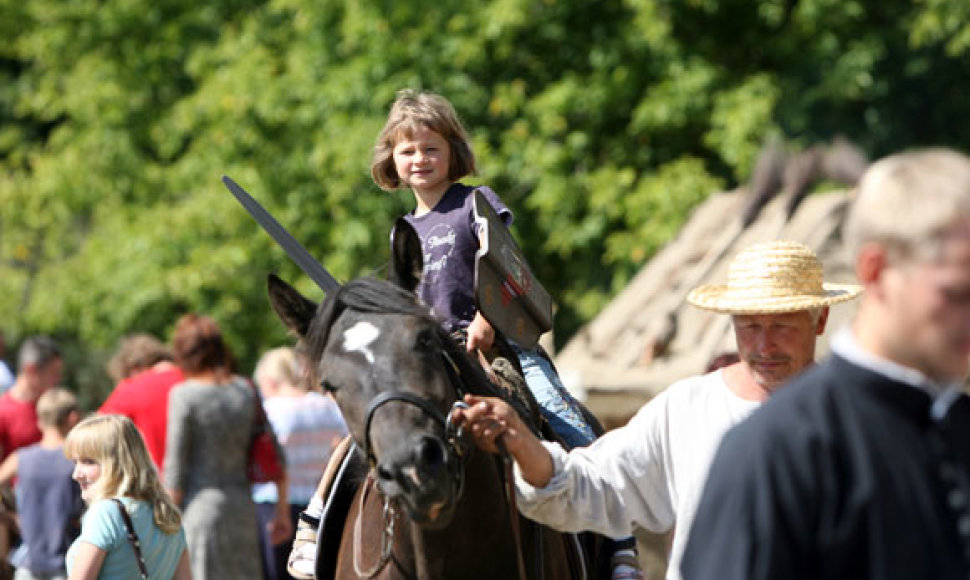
point(72, 419)
point(870, 263)
point(823, 319)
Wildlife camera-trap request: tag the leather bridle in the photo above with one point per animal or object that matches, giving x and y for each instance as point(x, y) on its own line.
point(457, 448)
point(458, 452)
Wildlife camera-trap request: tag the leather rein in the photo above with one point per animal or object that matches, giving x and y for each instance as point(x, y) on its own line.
point(458, 451)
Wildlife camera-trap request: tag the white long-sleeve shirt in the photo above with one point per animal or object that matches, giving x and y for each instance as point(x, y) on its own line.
point(648, 473)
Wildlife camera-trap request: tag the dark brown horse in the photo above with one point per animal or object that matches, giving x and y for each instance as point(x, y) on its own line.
point(429, 506)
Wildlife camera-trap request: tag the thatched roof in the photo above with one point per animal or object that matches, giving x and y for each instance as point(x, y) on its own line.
point(649, 337)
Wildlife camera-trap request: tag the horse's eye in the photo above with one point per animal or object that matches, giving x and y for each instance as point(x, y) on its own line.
point(426, 340)
point(328, 386)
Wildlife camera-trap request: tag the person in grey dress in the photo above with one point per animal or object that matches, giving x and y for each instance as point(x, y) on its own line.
point(210, 423)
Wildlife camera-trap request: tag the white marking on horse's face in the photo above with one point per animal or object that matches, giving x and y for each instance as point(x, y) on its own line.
point(359, 337)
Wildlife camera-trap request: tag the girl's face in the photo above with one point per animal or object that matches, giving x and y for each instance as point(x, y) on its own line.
point(422, 162)
point(86, 472)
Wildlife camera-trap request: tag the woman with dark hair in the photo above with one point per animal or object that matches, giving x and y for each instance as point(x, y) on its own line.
point(210, 425)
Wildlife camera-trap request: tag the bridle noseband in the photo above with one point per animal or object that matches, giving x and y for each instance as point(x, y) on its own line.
point(457, 448)
point(454, 435)
point(457, 454)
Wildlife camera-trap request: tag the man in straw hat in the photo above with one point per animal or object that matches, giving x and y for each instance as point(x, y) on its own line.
point(650, 472)
point(860, 468)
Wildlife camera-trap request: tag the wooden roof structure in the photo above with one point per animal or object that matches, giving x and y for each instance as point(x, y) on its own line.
point(648, 336)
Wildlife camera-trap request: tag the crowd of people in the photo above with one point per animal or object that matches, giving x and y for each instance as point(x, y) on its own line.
point(170, 443)
point(768, 465)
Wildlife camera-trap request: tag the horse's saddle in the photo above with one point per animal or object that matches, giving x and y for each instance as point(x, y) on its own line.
point(341, 487)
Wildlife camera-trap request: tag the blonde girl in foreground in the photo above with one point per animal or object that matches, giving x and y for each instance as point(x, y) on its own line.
point(111, 461)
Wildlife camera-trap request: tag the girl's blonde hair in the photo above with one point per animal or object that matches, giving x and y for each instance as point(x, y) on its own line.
point(411, 111)
point(114, 443)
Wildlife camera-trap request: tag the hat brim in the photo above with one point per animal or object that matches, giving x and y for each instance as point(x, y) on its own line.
point(720, 298)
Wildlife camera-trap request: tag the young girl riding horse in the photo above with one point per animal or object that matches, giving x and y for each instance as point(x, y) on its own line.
point(423, 146)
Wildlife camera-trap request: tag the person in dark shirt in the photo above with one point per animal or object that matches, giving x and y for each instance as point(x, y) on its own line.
point(48, 500)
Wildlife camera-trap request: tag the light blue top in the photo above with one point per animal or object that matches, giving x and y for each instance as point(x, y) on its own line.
point(103, 527)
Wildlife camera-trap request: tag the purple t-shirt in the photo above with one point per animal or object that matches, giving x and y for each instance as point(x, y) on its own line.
point(449, 240)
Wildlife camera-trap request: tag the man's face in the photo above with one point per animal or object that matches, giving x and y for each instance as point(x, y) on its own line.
point(774, 347)
point(49, 375)
point(927, 304)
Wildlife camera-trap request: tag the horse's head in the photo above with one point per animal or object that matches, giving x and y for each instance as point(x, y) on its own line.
point(392, 369)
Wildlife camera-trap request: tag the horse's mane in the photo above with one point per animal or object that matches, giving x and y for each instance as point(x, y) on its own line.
point(374, 296)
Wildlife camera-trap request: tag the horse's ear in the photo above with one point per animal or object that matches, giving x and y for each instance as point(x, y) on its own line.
point(294, 310)
point(406, 259)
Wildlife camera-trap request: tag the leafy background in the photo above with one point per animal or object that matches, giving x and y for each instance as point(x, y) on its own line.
point(602, 123)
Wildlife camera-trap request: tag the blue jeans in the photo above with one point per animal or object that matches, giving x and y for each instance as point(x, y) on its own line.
point(558, 407)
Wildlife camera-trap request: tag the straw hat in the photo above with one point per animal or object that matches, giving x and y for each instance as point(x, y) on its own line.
point(770, 278)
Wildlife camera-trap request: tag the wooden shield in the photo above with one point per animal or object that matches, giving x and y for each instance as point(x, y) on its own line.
point(507, 293)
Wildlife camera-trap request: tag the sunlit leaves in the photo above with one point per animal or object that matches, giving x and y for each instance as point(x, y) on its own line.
point(739, 119)
point(602, 123)
point(946, 21)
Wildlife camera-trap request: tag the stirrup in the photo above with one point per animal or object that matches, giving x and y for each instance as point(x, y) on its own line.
point(302, 560)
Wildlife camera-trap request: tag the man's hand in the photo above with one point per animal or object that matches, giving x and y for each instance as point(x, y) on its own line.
point(488, 418)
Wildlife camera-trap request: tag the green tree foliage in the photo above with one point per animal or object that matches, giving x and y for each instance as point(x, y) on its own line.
point(601, 123)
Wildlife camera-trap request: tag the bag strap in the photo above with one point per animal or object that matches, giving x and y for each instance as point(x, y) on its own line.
point(132, 539)
point(259, 415)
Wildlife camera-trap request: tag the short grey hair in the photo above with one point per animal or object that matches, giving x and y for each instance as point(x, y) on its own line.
point(38, 351)
point(909, 203)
